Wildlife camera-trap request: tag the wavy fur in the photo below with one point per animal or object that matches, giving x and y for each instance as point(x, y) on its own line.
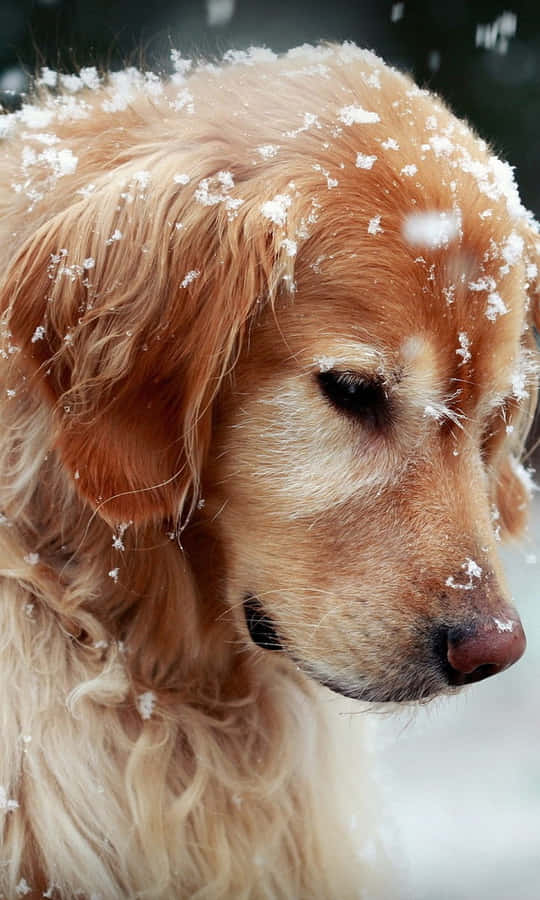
point(149, 748)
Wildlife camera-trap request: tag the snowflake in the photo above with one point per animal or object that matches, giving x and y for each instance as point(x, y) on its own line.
point(464, 348)
point(190, 277)
point(357, 115)
point(363, 161)
point(276, 209)
point(146, 703)
point(374, 226)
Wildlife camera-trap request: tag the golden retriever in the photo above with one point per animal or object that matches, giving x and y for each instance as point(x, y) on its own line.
point(267, 371)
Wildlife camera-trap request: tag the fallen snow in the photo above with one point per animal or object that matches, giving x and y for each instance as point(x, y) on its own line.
point(276, 209)
point(364, 161)
point(472, 569)
point(495, 306)
point(5, 802)
point(357, 115)
point(504, 625)
point(190, 277)
point(374, 226)
point(289, 246)
point(409, 170)
point(146, 703)
point(268, 151)
point(464, 348)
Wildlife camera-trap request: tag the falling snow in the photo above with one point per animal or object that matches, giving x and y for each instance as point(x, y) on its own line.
point(497, 35)
point(431, 229)
point(219, 12)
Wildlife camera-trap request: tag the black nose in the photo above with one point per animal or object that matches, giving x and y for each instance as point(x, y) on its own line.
point(475, 651)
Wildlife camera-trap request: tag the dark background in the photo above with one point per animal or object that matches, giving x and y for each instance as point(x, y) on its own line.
point(498, 92)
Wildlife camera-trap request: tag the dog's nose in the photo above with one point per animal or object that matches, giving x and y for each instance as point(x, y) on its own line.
point(477, 651)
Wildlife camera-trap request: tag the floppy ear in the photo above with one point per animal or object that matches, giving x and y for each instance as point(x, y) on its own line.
point(514, 484)
point(513, 496)
point(127, 308)
point(532, 272)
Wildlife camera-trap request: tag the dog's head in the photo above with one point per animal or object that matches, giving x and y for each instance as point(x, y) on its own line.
point(317, 322)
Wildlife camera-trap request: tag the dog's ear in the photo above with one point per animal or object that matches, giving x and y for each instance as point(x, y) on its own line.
point(127, 309)
point(532, 275)
point(514, 484)
point(513, 497)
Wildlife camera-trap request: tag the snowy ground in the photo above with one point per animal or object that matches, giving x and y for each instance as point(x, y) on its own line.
point(462, 778)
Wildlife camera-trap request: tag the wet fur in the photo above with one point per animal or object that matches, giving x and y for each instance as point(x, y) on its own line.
point(164, 396)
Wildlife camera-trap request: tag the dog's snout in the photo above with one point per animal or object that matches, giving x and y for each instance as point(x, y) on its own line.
point(472, 652)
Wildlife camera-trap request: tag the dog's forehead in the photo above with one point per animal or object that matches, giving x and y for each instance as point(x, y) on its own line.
point(452, 318)
point(442, 276)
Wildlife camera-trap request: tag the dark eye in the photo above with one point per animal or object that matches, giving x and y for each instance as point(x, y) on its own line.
point(363, 398)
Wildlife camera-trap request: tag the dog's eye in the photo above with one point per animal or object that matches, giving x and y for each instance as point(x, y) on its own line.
point(361, 397)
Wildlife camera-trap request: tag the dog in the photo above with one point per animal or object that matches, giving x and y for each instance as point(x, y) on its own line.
point(267, 371)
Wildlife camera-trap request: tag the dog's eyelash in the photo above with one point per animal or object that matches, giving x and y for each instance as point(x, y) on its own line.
point(362, 397)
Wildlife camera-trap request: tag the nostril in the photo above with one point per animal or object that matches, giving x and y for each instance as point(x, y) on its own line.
point(473, 652)
point(481, 672)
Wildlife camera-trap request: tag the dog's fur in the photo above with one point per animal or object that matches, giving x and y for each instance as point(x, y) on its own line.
point(171, 465)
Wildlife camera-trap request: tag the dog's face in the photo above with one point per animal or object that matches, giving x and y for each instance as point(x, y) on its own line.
point(326, 332)
point(361, 457)
point(357, 479)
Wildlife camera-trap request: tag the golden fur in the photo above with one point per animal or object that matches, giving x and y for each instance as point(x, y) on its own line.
point(181, 260)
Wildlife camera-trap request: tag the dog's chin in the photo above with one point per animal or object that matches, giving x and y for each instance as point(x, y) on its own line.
point(411, 688)
point(415, 691)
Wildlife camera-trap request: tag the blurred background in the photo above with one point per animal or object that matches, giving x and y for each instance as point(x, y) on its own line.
point(460, 779)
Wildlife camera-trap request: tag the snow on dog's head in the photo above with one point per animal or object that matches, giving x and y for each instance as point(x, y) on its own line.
point(244, 221)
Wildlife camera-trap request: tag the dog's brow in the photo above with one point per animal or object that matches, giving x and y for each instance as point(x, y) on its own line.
point(425, 386)
point(349, 355)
